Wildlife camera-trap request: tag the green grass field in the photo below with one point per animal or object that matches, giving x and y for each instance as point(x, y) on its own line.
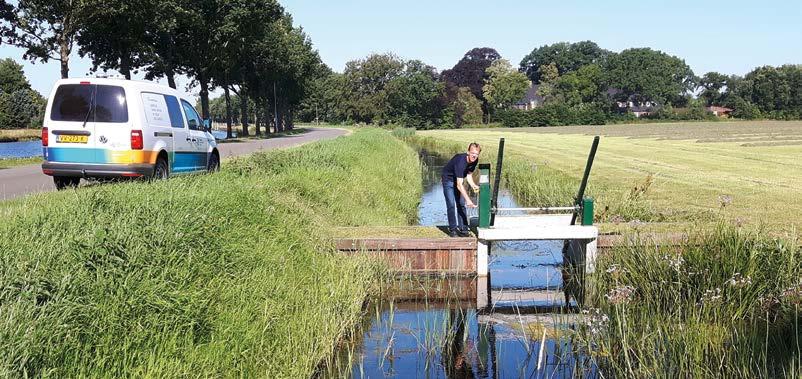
point(232, 274)
point(749, 171)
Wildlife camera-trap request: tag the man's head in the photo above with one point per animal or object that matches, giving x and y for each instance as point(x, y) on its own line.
point(473, 152)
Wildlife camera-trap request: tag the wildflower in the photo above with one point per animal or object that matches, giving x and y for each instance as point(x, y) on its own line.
point(739, 281)
point(596, 321)
point(620, 295)
point(675, 262)
point(793, 294)
point(724, 200)
point(711, 297)
point(613, 269)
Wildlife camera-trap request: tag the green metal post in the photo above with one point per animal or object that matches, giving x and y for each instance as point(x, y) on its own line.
point(587, 211)
point(484, 195)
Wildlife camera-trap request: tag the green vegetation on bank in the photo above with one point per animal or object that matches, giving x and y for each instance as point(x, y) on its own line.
point(726, 304)
point(14, 162)
point(230, 274)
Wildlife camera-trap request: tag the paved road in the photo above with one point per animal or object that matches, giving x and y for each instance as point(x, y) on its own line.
point(22, 180)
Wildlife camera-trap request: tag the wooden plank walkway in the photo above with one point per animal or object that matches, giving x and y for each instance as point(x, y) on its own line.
point(450, 256)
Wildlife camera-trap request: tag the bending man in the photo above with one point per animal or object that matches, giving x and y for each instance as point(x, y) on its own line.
point(458, 169)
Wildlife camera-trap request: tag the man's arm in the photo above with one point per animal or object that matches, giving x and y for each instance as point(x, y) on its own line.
point(471, 182)
point(468, 202)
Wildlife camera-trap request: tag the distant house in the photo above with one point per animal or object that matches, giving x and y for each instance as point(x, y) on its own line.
point(642, 110)
point(637, 108)
point(719, 111)
point(531, 100)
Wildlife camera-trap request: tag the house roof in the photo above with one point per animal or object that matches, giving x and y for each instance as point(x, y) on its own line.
point(716, 108)
point(531, 95)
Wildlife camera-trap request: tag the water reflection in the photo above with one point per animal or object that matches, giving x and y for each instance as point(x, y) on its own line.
point(431, 326)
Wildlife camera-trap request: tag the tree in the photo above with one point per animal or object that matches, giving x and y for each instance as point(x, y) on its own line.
point(470, 71)
point(643, 74)
point(412, 96)
point(505, 85)
point(12, 78)
point(365, 83)
point(22, 108)
point(323, 102)
point(585, 85)
point(713, 85)
point(567, 57)
point(548, 74)
point(775, 91)
point(46, 29)
point(467, 107)
point(117, 36)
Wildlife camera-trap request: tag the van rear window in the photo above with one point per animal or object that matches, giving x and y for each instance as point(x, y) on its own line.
point(90, 102)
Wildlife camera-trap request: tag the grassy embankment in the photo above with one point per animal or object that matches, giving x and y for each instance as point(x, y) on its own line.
point(231, 274)
point(726, 304)
point(15, 135)
point(14, 162)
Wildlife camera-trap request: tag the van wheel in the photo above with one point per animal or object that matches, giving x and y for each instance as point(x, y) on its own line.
point(214, 163)
point(161, 170)
point(64, 182)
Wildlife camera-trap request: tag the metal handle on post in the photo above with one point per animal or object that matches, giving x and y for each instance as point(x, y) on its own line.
point(581, 195)
point(497, 181)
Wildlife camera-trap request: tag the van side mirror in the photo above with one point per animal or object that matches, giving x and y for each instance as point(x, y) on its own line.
point(207, 124)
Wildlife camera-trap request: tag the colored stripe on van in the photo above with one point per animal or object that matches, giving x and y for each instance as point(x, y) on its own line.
point(187, 161)
point(98, 156)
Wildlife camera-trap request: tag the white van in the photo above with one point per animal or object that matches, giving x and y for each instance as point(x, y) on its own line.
point(112, 128)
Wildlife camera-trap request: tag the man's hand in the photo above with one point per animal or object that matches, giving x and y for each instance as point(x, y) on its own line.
point(470, 204)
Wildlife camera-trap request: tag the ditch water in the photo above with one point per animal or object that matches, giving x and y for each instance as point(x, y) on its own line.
point(24, 149)
point(431, 327)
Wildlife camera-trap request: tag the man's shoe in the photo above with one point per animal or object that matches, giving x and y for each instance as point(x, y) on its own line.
point(453, 233)
point(464, 233)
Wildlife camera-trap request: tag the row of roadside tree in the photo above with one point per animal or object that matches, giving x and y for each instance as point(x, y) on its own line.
point(248, 47)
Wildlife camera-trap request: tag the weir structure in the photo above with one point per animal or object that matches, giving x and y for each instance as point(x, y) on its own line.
point(461, 257)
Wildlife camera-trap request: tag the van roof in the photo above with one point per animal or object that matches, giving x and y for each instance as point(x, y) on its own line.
point(141, 85)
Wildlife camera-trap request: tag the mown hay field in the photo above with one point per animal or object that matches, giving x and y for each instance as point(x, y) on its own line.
point(750, 172)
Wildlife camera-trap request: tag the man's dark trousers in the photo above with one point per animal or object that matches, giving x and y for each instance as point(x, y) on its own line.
point(455, 206)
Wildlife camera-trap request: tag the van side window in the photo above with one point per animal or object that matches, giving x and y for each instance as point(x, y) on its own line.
point(193, 120)
point(176, 120)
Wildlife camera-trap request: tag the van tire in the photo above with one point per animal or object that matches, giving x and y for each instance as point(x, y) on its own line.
point(64, 182)
point(214, 163)
point(161, 170)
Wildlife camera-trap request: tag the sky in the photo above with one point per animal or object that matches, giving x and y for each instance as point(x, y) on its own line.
point(730, 37)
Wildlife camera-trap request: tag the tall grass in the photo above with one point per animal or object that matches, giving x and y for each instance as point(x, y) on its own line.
point(726, 304)
point(230, 274)
point(535, 183)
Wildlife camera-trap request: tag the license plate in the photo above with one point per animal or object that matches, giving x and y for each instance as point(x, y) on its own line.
point(67, 138)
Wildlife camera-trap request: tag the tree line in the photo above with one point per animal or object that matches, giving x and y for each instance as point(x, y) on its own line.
point(575, 83)
point(20, 105)
point(245, 47)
